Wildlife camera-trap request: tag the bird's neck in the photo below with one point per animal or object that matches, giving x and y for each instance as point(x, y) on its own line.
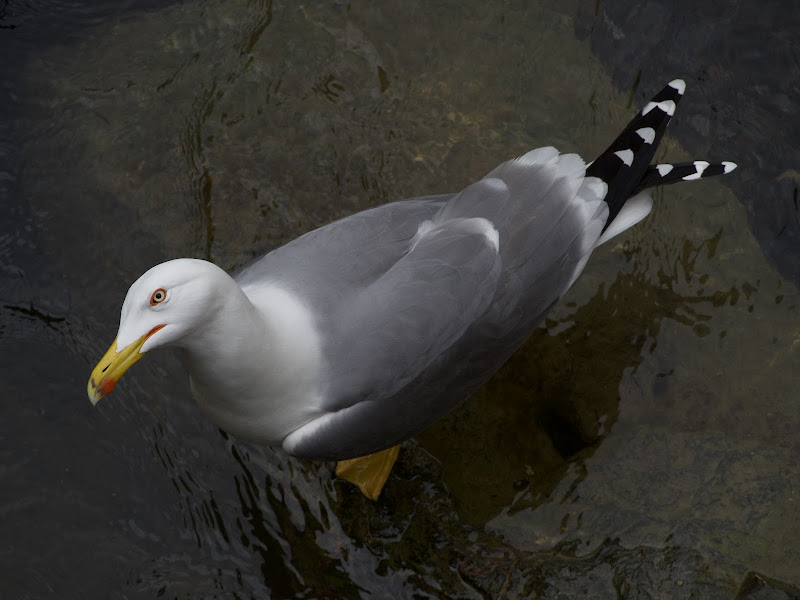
point(256, 358)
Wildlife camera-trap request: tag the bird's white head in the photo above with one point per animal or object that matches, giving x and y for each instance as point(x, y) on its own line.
point(162, 307)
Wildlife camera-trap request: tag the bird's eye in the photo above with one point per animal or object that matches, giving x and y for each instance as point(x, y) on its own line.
point(158, 296)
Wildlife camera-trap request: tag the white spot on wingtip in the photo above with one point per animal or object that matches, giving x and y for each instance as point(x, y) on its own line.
point(679, 85)
point(728, 166)
point(664, 169)
point(700, 166)
point(668, 106)
point(625, 156)
point(648, 134)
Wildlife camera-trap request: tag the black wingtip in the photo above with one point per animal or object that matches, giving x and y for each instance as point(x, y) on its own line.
point(623, 164)
point(667, 173)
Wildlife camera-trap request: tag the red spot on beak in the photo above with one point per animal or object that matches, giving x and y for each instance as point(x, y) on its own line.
point(106, 386)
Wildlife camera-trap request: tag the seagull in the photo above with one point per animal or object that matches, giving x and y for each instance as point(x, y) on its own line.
point(356, 336)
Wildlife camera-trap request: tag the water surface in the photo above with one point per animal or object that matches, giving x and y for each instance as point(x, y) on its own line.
point(642, 443)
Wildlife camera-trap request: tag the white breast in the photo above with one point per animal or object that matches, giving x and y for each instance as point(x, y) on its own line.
point(267, 384)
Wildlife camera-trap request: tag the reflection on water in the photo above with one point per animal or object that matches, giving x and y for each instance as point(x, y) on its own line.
point(642, 442)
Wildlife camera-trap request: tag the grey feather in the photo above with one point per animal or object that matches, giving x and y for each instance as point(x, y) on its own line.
point(403, 347)
point(395, 327)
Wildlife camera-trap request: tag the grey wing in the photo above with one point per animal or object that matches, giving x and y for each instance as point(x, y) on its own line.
point(399, 324)
point(326, 263)
point(547, 217)
point(395, 330)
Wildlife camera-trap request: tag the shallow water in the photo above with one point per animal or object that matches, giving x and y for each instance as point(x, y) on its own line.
point(642, 443)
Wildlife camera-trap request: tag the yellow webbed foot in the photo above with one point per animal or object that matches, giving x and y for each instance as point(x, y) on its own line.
point(369, 472)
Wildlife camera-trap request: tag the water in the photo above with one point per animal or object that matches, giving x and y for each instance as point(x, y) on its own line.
point(643, 442)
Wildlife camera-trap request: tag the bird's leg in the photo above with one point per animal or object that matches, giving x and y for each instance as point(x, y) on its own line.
point(369, 472)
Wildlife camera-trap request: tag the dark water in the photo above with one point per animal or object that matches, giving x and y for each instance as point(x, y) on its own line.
point(644, 443)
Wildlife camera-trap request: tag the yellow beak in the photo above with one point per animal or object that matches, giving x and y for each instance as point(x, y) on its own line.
point(113, 365)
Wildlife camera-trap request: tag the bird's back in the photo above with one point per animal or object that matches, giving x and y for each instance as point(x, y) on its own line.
point(548, 218)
